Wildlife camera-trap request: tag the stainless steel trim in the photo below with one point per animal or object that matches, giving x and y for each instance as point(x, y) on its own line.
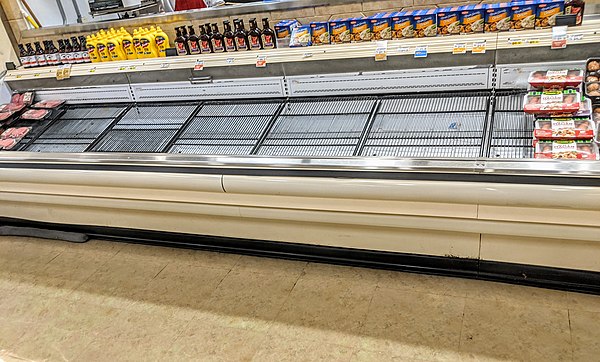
point(359, 164)
point(201, 80)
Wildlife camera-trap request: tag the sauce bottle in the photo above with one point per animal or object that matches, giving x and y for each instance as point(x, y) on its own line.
point(139, 51)
point(575, 7)
point(217, 39)
point(162, 41)
point(193, 41)
point(208, 29)
point(70, 59)
point(205, 44)
point(77, 51)
point(102, 49)
point(254, 36)
point(40, 55)
point(127, 44)
point(180, 43)
point(31, 54)
point(268, 35)
point(229, 37)
point(148, 43)
point(24, 57)
point(51, 53)
point(115, 48)
point(85, 42)
point(241, 37)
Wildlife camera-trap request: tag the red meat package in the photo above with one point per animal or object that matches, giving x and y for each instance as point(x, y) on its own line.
point(564, 128)
point(4, 116)
point(552, 102)
point(15, 133)
point(35, 114)
point(8, 143)
point(556, 78)
point(50, 104)
point(11, 107)
point(567, 150)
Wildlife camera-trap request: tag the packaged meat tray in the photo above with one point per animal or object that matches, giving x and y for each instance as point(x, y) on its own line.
point(15, 133)
point(12, 107)
point(567, 150)
point(8, 143)
point(564, 128)
point(592, 90)
point(592, 65)
point(35, 114)
point(6, 116)
point(25, 98)
point(50, 104)
point(596, 114)
point(556, 78)
point(585, 110)
point(552, 102)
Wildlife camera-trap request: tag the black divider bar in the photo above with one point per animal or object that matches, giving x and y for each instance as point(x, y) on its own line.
point(362, 140)
point(109, 128)
point(268, 128)
point(183, 127)
point(488, 130)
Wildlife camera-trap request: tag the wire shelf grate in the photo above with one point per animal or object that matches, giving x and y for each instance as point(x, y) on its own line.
point(250, 127)
point(328, 106)
point(220, 149)
point(162, 115)
point(238, 110)
point(76, 128)
point(512, 135)
point(509, 102)
point(92, 112)
point(435, 104)
point(135, 141)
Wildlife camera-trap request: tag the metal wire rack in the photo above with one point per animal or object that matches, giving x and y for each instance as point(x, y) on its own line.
point(512, 129)
point(225, 128)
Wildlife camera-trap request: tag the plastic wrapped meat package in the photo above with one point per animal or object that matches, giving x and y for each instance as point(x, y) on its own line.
point(49, 104)
point(15, 133)
point(552, 102)
point(564, 128)
point(592, 90)
point(556, 78)
point(35, 114)
point(8, 143)
point(566, 150)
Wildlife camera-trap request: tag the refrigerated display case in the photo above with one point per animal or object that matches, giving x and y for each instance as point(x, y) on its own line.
point(422, 164)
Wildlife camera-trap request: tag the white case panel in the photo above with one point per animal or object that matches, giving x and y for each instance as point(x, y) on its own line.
point(75, 95)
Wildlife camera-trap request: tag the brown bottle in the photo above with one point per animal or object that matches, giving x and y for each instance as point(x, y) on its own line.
point(217, 39)
point(205, 44)
point(193, 41)
point(208, 29)
point(241, 37)
point(32, 57)
point(576, 8)
point(254, 36)
point(40, 54)
point(268, 35)
point(180, 43)
point(229, 37)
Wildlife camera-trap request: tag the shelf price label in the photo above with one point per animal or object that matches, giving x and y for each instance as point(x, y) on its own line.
point(122, 68)
point(307, 55)
point(164, 65)
point(133, 67)
point(479, 47)
point(559, 37)
point(229, 60)
point(381, 51)
point(93, 70)
point(261, 61)
point(459, 48)
point(199, 65)
point(575, 37)
point(515, 41)
point(403, 49)
point(421, 51)
point(533, 41)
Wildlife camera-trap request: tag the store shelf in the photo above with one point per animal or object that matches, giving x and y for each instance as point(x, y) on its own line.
point(588, 33)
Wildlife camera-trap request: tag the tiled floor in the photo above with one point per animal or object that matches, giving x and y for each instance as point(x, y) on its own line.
point(106, 301)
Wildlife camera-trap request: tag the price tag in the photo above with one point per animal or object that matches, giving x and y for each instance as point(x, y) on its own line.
point(459, 48)
point(199, 65)
point(133, 67)
point(261, 61)
point(421, 51)
point(67, 71)
point(479, 47)
point(515, 42)
point(59, 72)
point(533, 41)
point(164, 65)
point(93, 70)
point(122, 68)
point(381, 51)
point(403, 49)
point(19, 76)
point(575, 37)
point(307, 55)
point(559, 37)
point(229, 60)
point(36, 75)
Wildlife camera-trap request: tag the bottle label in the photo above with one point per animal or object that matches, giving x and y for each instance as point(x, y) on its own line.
point(91, 52)
point(194, 48)
point(160, 41)
point(136, 43)
point(41, 59)
point(86, 57)
point(241, 44)
point(268, 41)
point(230, 44)
point(68, 58)
point(255, 42)
point(25, 62)
point(127, 46)
point(33, 61)
point(181, 49)
point(204, 46)
point(217, 45)
point(52, 59)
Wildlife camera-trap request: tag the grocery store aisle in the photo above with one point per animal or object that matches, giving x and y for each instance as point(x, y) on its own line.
point(106, 301)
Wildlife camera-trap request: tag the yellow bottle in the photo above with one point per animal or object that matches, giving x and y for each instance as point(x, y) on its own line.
point(148, 44)
point(139, 51)
point(162, 41)
point(127, 42)
point(90, 42)
point(115, 47)
point(102, 47)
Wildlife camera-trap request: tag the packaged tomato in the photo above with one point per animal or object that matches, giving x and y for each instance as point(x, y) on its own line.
point(568, 101)
point(564, 128)
point(566, 150)
point(556, 78)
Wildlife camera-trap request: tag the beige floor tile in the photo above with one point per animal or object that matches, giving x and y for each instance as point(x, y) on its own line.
point(379, 356)
point(505, 330)
point(511, 293)
point(329, 309)
point(202, 341)
point(269, 265)
point(300, 350)
point(423, 283)
point(180, 256)
point(26, 307)
point(413, 325)
point(587, 302)
point(48, 343)
point(180, 290)
point(11, 331)
point(585, 329)
point(248, 299)
point(328, 271)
